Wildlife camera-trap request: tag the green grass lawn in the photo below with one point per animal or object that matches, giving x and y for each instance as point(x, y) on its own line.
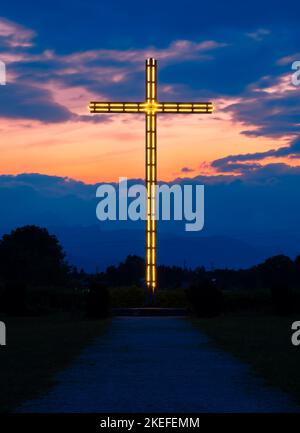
point(264, 342)
point(36, 349)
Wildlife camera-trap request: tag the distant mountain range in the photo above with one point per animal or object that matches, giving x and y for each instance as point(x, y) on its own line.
point(247, 219)
point(94, 249)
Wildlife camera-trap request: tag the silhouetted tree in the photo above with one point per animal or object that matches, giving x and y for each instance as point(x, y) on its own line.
point(13, 299)
point(277, 269)
point(128, 273)
point(297, 272)
point(30, 255)
point(278, 274)
point(173, 277)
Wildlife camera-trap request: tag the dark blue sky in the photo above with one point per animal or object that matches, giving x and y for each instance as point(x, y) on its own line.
point(72, 26)
point(255, 36)
point(79, 25)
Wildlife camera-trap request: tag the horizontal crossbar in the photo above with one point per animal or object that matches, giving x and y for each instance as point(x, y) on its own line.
point(116, 107)
point(187, 107)
point(156, 107)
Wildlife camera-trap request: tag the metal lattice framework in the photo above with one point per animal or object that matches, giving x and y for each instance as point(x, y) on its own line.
point(150, 108)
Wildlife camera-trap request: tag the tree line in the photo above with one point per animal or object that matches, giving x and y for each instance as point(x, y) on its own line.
point(35, 277)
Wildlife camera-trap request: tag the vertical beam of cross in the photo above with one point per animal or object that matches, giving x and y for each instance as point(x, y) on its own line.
point(151, 174)
point(151, 107)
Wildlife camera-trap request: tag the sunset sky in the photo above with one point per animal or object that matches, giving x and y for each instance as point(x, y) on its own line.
point(59, 56)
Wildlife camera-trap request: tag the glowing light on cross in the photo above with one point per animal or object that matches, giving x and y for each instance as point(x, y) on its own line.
point(151, 107)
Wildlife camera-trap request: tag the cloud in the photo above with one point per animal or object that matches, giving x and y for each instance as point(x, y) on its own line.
point(268, 107)
point(105, 71)
point(24, 101)
point(178, 49)
point(47, 185)
point(265, 106)
point(187, 170)
point(13, 35)
point(244, 162)
point(107, 65)
point(97, 73)
point(258, 35)
point(288, 60)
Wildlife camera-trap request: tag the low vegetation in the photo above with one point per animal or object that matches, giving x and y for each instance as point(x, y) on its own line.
point(263, 341)
point(37, 348)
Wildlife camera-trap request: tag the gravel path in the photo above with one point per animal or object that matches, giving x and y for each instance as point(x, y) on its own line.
point(157, 364)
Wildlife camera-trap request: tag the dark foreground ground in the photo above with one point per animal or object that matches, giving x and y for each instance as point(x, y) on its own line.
point(36, 349)
point(157, 364)
point(264, 342)
point(39, 348)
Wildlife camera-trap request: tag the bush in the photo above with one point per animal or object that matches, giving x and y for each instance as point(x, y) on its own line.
point(97, 301)
point(247, 301)
point(283, 299)
point(171, 298)
point(205, 299)
point(128, 297)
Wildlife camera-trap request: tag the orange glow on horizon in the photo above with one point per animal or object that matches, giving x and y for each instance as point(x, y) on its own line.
point(88, 152)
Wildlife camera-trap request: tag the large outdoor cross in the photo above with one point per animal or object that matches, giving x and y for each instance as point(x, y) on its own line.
point(151, 107)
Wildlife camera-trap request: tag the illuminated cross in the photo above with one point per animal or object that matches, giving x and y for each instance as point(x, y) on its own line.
point(151, 107)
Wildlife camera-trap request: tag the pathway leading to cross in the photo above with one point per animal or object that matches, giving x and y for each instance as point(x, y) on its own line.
point(158, 364)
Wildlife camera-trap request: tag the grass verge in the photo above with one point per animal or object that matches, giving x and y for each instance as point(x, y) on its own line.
point(36, 349)
point(264, 342)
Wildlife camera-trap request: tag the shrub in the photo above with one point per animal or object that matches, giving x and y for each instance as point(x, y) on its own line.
point(97, 301)
point(128, 297)
point(171, 298)
point(283, 298)
point(205, 299)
